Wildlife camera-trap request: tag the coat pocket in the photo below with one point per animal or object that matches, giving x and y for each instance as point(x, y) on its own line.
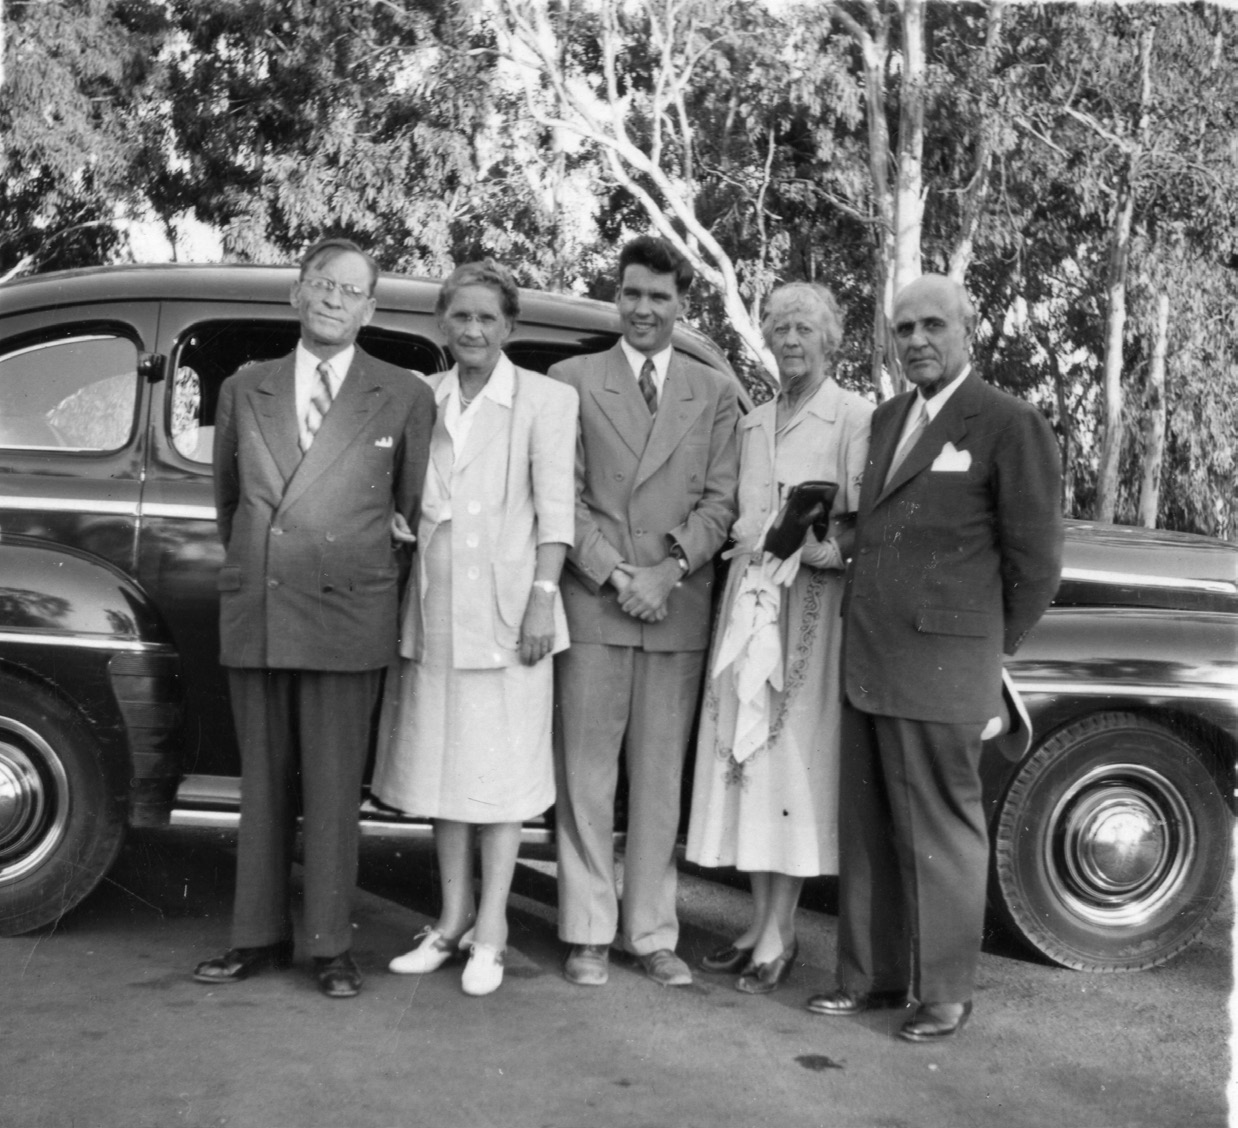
point(951, 621)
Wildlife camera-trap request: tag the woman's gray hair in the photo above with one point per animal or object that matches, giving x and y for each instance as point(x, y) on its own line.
point(811, 296)
point(484, 273)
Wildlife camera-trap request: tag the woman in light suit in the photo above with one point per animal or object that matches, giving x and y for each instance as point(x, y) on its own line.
point(464, 735)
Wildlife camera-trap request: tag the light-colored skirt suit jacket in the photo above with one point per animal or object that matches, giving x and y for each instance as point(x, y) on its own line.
point(464, 731)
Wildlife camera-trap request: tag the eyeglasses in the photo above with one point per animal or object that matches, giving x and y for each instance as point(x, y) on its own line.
point(328, 286)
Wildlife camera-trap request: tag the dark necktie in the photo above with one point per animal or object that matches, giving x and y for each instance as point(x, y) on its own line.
point(647, 388)
point(905, 447)
point(319, 405)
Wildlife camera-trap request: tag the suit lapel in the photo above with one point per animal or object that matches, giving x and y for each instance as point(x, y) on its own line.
point(360, 397)
point(622, 403)
point(489, 424)
point(275, 407)
point(950, 426)
point(678, 408)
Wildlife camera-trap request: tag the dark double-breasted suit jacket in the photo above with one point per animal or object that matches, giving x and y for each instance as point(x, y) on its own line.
point(956, 557)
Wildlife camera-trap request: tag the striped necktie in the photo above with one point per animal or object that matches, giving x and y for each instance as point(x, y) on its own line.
point(319, 405)
point(905, 447)
point(647, 386)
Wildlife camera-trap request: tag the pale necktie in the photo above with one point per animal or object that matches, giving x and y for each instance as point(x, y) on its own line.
point(905, 447)
point(647, 388)
point(319, 405)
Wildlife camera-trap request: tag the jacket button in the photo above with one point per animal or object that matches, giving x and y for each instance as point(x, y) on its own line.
point(330, 536)
point(272, 583)
point(618, 477)
point(473, 573)
point(276, 531)
point(474, 507)
point(472, 541)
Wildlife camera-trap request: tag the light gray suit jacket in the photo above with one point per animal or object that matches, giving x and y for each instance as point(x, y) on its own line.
point(642, 484)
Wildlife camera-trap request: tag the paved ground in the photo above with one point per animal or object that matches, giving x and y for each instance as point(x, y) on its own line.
point(102, 1027)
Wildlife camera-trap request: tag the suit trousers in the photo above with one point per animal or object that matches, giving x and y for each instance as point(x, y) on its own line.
point(913, 856)
point(613, 700)
point(304, 737)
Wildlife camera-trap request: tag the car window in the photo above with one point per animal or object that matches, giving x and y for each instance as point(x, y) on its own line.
point(77, 393)
point(539, 356)
point(212, 351)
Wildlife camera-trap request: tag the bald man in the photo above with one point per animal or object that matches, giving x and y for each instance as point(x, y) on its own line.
point(957, 555)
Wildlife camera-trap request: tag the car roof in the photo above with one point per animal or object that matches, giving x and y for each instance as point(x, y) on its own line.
point(231, 282)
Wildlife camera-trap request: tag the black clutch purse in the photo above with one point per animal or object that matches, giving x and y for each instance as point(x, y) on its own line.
point(807, 507)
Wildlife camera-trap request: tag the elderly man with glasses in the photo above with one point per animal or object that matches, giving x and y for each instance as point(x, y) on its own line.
point(314, 455)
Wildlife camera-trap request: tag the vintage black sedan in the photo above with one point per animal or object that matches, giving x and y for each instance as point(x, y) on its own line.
point(1111, 832)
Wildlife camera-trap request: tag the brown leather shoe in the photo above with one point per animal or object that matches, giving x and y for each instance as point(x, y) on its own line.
point(841, 1003)
point(338, 976)
point(934, 1022)
point(240, 963)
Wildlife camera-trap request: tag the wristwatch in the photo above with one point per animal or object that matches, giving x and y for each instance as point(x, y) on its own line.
point(680, 559)
point(547, 587)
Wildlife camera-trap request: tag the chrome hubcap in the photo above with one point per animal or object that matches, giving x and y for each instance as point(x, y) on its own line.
point(1121, 844)
point(33, 794)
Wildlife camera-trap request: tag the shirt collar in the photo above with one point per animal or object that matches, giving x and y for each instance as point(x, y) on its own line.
point(500, 388)
point(636, 361)
point(933, 405)
point(338, 364)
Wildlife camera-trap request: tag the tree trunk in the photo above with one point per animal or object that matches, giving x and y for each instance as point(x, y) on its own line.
point(1154, 420)
point(1115, 292)
point(909, 189)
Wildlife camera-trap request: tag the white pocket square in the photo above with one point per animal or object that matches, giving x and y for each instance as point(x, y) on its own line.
point(384, 442)
point(951, 460)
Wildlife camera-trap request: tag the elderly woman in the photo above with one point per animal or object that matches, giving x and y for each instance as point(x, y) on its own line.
point(766, 791)
point(464, 735)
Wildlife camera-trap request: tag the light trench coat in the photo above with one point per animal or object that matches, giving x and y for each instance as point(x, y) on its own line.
point(512, 488)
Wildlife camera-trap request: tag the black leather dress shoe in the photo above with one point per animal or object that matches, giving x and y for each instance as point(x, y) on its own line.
point(729, 958)
point(240, 963)
point(934, 1022)
point(338, 976)
point(841, 1003)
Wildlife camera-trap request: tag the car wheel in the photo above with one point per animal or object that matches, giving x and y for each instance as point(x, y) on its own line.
point(1112, 845)
point(60, 827)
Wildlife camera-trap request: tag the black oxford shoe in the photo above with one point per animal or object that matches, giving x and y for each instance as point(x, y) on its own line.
point(338, 976)
point(934, 1022)
point(240, 963)
point(841, 1003)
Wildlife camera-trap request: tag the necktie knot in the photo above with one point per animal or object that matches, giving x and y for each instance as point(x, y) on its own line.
point(647, 387)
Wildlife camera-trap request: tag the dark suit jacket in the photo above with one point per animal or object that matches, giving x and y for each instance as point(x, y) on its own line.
point(639, 483)
point(955, 559)
point(310, 577)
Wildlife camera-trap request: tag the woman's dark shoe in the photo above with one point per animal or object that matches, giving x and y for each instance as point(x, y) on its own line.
point(240, 963)
point(761, 979)
point(729, 958)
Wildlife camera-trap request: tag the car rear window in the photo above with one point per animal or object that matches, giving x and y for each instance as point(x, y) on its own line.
point(76, 393)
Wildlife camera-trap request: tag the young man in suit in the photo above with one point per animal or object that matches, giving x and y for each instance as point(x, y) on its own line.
point(314, 454)
point(656, 467)
point(957, 555)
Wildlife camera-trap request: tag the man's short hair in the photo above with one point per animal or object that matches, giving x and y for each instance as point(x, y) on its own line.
point(326, 250)
point(659, 256)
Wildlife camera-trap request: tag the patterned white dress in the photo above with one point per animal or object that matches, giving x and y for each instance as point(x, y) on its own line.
point(777, 811)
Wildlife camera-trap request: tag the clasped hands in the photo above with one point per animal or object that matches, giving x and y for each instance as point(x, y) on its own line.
point(643, 592)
